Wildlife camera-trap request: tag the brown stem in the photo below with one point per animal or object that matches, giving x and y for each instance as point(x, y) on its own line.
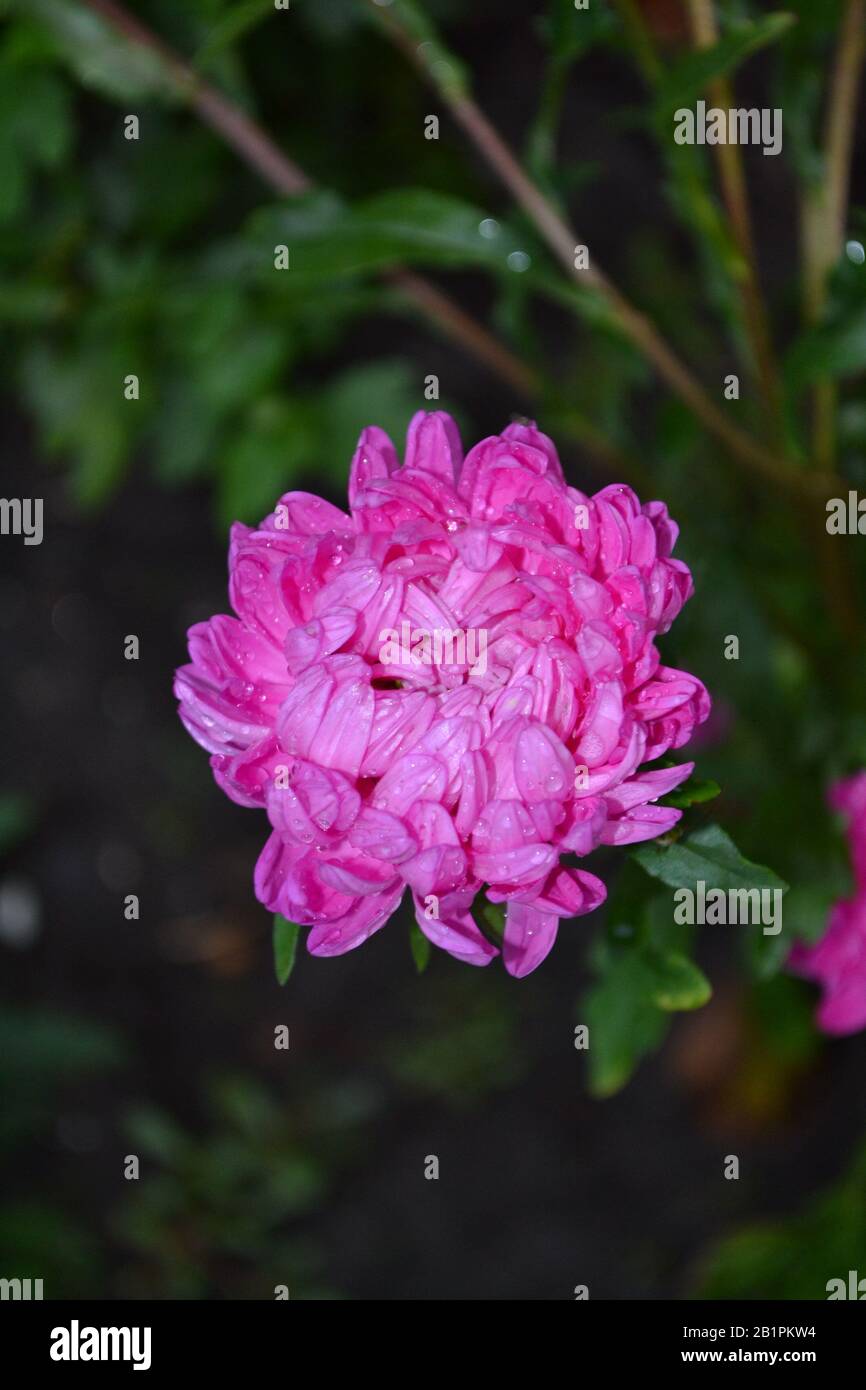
point(563, 241)
point(258, 150)
point(825, 214)
point(735, 195)
point(468, 331)
point(824, 220)
point(841, 117)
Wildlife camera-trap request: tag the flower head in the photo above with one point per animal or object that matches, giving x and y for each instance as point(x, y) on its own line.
point(446, 690)
point(838, 961)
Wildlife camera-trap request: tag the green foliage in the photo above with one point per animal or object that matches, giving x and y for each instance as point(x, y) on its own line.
point(795, 1258)
point(99, 58)
point(695, 791)
point(645, 971)
point(709, 854)
point(44, 1056)
point(420, 947)
point(624, 1022)
point(285, 947)
point(35, 125)
point(837, 346)
point(41, 1051)
point(462, 1042)
point(220, 1206)
point(686, 81)
point(405, 226)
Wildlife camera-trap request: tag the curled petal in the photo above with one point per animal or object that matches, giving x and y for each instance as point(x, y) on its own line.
point(529, 938)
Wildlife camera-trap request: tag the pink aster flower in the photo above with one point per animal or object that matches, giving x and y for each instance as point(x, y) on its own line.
point(838, 961)
point(446, 690)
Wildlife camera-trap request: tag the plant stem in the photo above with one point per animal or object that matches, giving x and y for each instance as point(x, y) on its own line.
point(825, 214)
point(824, 218)
point(641, 40)
point(259, 151)
point(563, 241)
point(735, 195)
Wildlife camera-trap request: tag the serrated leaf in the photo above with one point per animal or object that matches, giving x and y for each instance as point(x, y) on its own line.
point(709, 854)
point(285, 947)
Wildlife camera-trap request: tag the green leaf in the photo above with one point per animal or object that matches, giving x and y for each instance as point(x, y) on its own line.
point(571, 33)
point(35, 129)
point(839, 350)
point(264, 458)
point(676, 982)
point(445, 69)
point(688, 79)
point(79, 402)
point(231, 26)
point(694, 792)
point(492, 922)
point(624, 1023)
point(99, 56)
point(285, 947)
point(403, 227)
point(344, 409)
point(420, 947)
point(709, 854)
point(325, 237)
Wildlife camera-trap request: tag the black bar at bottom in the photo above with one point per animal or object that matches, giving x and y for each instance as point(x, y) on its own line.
point(71, 1338)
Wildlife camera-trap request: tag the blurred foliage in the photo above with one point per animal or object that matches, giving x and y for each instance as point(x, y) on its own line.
point(211, 1215)
point(40, 1051)
point(17, 817)
point(43, 1055)
point(217, 1216)
point(797, 1257)
point(462, 1041)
